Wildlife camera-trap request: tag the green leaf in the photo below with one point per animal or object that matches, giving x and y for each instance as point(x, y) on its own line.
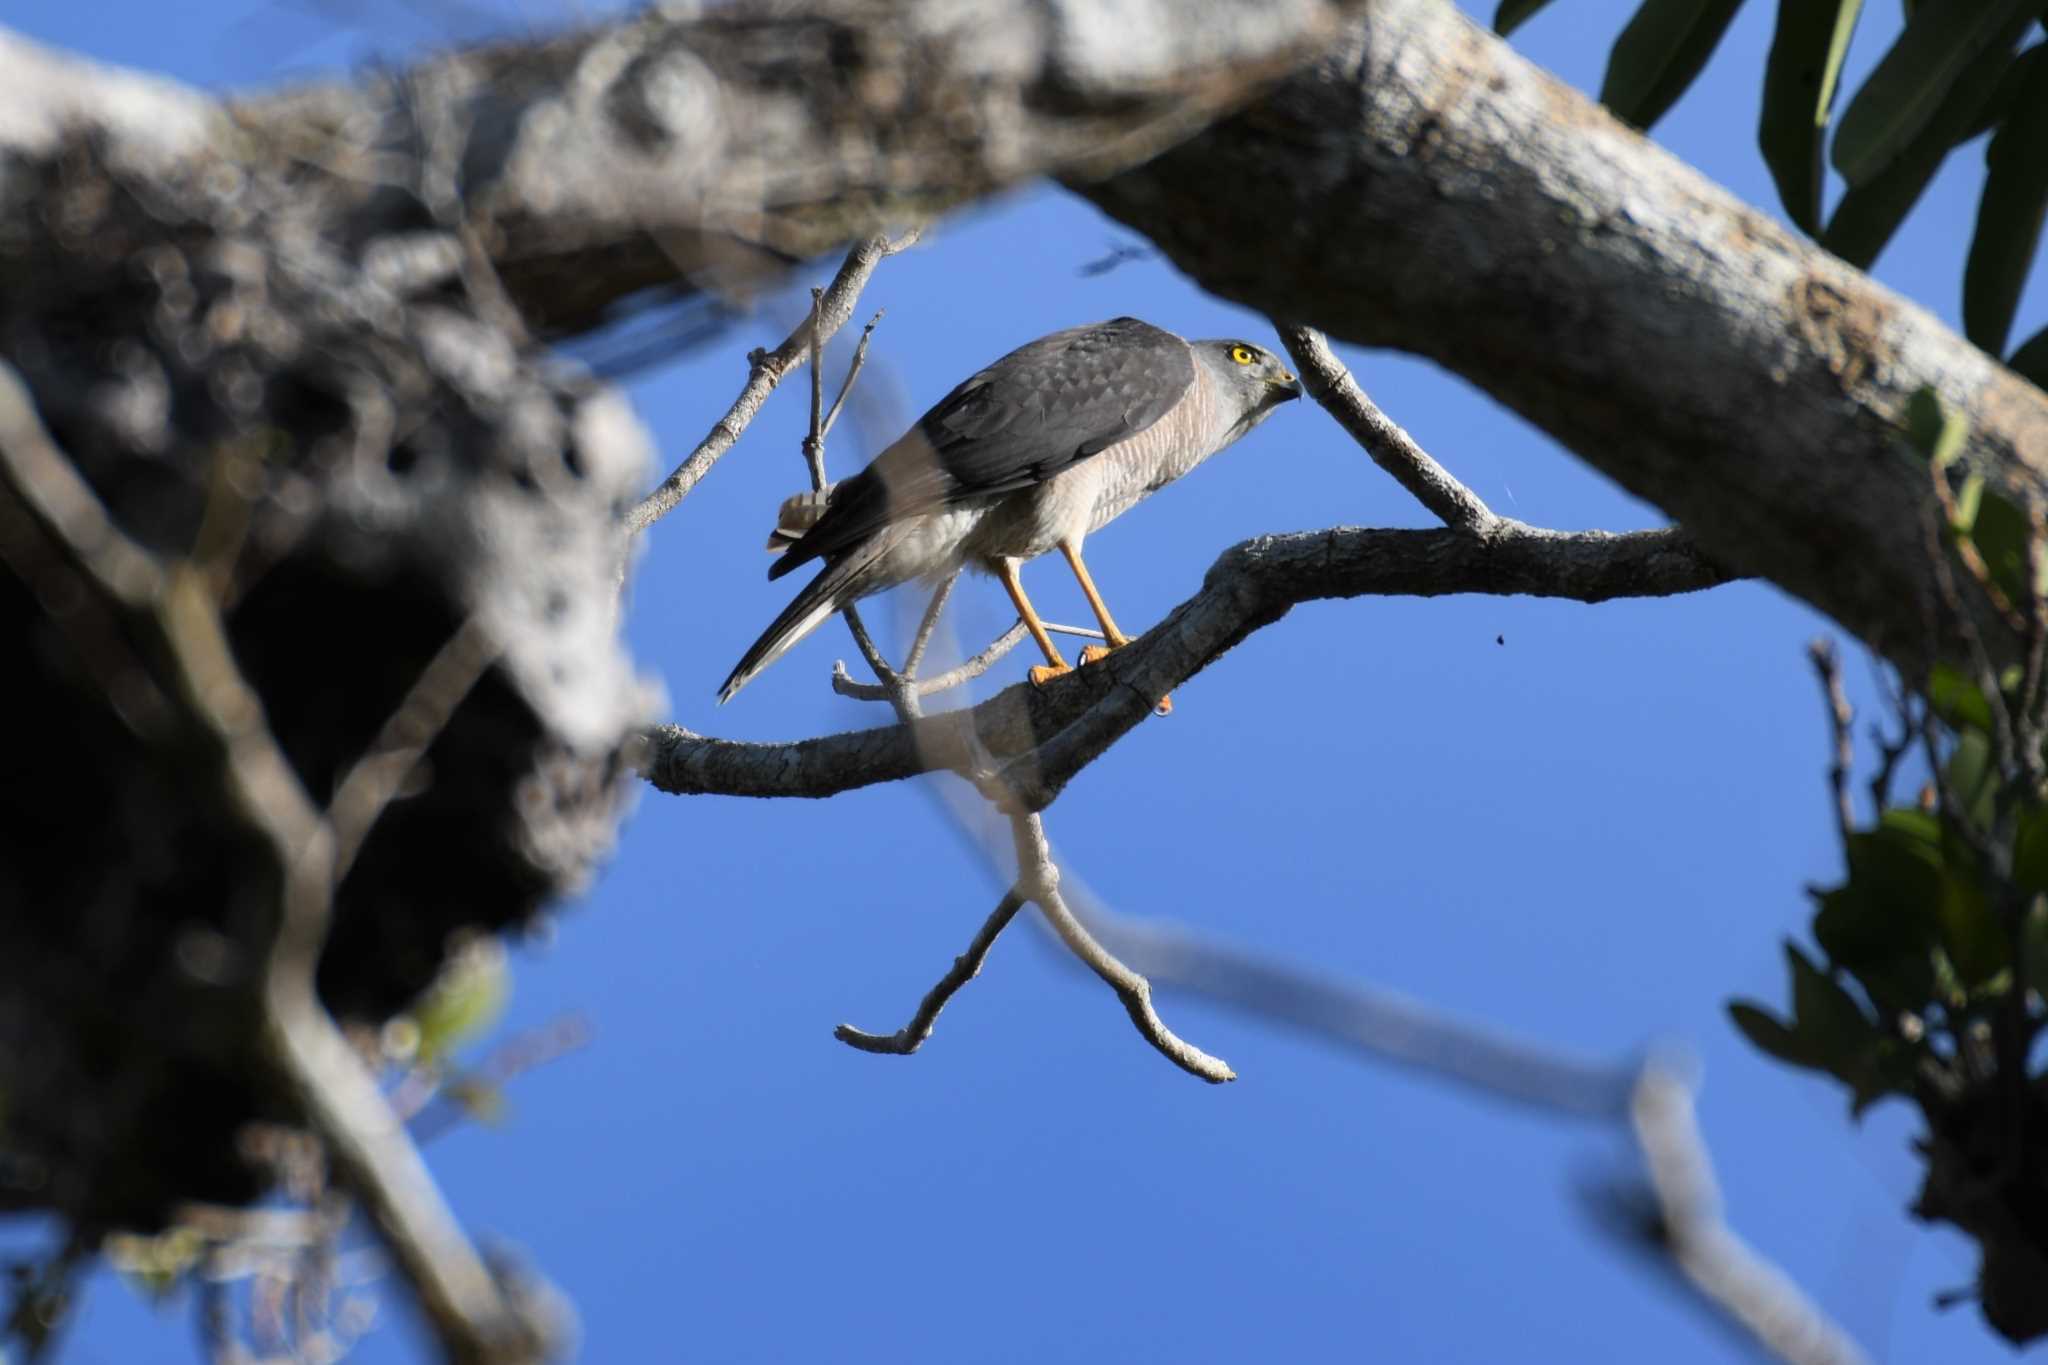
point(2030, 361)
point(1769, 1034)
point(1913, 80)
point(1887, 952)
point(1512, 14)
point(1826, 1015)
point(1971, 933)
point(2004, 537)
point(464, 1000)
point(2009, 216)
point(1659, 53)
point(2004, 92)
point(1973, 777)
point(1968, 499)
point(1936, 431)
point(1868, 214)
point(2034, 939)
point(2030, 855)
point(1799, 89)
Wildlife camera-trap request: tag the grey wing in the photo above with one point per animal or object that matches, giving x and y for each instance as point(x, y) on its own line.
point(1039, 410)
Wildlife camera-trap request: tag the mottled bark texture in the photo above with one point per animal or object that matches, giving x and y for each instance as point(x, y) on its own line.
point(1421, 187)
point(291, 337)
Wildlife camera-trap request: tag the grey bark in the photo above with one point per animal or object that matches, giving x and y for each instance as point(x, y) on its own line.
point(1027, 742)
point(1422, 187)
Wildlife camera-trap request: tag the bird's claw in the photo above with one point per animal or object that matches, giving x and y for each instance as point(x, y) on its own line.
point(1045, 673)
point(1093, 654)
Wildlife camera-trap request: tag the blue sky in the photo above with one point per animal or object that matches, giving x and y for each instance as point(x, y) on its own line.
point(1589, 836)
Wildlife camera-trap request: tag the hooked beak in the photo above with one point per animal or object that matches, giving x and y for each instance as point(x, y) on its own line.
point(1286, 387)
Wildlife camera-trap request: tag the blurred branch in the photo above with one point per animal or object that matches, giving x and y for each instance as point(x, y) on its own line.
point(171, 610)
point(1357, 1014)
point(1827, 662)
point(1688, 1229)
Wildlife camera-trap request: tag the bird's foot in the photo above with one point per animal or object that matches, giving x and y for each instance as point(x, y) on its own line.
point(1096, 653)
point(1045, 673)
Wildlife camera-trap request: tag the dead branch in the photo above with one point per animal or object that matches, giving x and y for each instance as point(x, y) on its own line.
point(766, 369)
point(965, 968)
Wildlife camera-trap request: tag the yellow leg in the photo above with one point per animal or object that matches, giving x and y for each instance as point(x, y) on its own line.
point(1113, 637)
point(1006, 569)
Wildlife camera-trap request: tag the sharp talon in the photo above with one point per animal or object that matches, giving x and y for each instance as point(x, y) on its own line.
point(1165, 707)
point(1093, 653)
point(1045, 673)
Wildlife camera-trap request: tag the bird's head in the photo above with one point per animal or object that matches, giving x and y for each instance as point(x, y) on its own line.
point(1251, 376)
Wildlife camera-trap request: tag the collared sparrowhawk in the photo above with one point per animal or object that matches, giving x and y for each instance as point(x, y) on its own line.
point(1047, 444)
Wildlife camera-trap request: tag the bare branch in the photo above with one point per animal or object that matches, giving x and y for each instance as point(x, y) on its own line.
point(814, 442)
point(1358, 1015)
point(1724, 1270)
point(1061, 727)
point(1040, 879)
point(1827, 663)
point(405, 738)
point(845, 686)
point(921, 641)
point(860, 358)
point(965, 968)
point(1330, 383)
point(768, 369)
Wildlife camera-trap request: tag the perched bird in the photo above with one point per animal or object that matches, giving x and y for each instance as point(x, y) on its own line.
point(1052, 441)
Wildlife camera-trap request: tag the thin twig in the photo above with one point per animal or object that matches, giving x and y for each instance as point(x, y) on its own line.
point(405, 737)
point(814, 443)
point(1827, 663)
point(965, 968)
point(1330, 383)
point(768, 369)
point(1040, 879)
point(844, 684)
point(860, 358)
point(922, 640)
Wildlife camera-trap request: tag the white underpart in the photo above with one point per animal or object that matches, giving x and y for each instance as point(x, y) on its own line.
point(1065, 508)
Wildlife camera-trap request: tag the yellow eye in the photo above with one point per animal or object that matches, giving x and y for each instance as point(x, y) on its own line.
point(1241, 354)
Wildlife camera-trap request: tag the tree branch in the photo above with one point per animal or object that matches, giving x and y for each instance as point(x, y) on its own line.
point(1330, 383)
point(172, 611)
point(1444, 196)
point(965, 968)
point(1047, 734)
point(1727, 1274)
point(766, 369)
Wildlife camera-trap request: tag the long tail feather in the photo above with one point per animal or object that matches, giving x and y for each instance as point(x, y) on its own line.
point(839, 584)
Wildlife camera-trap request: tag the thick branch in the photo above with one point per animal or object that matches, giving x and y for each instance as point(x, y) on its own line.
point(708, 151)
point(1422, 187)
point(1047, 734)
